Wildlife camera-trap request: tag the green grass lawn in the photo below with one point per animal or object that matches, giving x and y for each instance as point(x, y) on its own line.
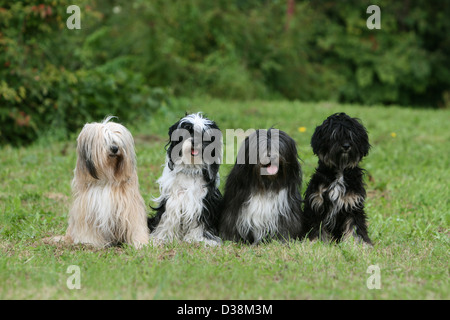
point(407, 204)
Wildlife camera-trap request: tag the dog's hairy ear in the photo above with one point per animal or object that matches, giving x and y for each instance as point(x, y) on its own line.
point(363, 138)
point(169, 145)
point(170, 164)
point(366, 149)
point(90, 166)
point(172, 129)
point(317, 137)
point(210, 174)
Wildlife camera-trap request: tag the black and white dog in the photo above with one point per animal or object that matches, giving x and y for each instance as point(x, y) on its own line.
point(189, 204)
point(262, 199)
point(334, 199)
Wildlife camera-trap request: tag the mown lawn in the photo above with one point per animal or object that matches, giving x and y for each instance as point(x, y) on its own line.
point(408, 207)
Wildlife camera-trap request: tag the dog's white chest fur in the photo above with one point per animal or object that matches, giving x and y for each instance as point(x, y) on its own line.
point(184, 193)
point(261, 213)
point(102, 213)
point(337, 189)
point(184, 197)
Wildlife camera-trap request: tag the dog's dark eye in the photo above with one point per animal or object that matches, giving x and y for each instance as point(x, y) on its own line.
point(189, 128)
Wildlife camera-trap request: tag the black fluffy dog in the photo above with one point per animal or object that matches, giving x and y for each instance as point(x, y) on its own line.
point(334, 199)
point(262, 200)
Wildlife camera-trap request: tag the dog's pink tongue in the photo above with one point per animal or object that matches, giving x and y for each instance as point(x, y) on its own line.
point(272, 169)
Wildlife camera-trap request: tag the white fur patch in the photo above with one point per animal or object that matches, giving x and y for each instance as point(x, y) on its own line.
point(184, 190)
point(197, 121)
point(261, 213)
point(336, 193)
point(99, 200)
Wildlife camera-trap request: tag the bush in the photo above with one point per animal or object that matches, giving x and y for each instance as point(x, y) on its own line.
point(320, 50)
point(406, 62)
point(51, 79)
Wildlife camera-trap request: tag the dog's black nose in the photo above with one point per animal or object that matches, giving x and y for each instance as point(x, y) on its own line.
point(346, 146)
point(114, 149)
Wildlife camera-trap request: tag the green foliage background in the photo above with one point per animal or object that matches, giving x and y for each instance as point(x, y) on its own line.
point(131, 57)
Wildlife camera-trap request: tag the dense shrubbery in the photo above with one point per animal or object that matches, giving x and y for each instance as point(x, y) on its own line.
point(407, 62)
point(51, 79)
point(127, 51)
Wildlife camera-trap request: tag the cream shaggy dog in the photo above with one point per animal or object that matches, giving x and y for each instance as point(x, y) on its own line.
point(107, 207)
